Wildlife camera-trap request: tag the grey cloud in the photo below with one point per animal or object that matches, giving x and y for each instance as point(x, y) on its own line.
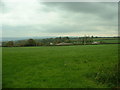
point(105, 10)
point(47, 29)
point(82, 17)
point(67, 28)
point(3, 7)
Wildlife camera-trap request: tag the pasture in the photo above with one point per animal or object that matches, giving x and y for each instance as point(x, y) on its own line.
point(0, 67)
point(83, 66)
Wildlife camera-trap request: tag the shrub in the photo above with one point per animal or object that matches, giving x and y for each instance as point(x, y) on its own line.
point(109, 76)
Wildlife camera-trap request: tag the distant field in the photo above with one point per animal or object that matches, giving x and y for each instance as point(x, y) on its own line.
point(107, 40)
point(85, 66)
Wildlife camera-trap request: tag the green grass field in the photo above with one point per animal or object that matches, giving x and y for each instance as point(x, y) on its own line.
point(0, 67)
point(107, 40)
point(85, 66)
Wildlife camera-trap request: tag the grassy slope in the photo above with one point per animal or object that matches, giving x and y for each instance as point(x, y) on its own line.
point(0, 67)
point(60, 67)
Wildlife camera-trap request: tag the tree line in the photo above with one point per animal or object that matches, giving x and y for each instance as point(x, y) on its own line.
point(49, 41)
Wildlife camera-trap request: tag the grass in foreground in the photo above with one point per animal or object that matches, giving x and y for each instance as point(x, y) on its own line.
point(59, 67)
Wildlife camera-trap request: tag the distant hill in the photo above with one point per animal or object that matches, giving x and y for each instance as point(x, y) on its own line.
point(21, 38)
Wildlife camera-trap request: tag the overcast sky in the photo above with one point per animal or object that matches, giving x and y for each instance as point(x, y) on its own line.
point(32, 18)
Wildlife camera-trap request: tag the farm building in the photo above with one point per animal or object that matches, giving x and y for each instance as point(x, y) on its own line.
point(64, 44)
point(96, 43)
point(51, 43)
